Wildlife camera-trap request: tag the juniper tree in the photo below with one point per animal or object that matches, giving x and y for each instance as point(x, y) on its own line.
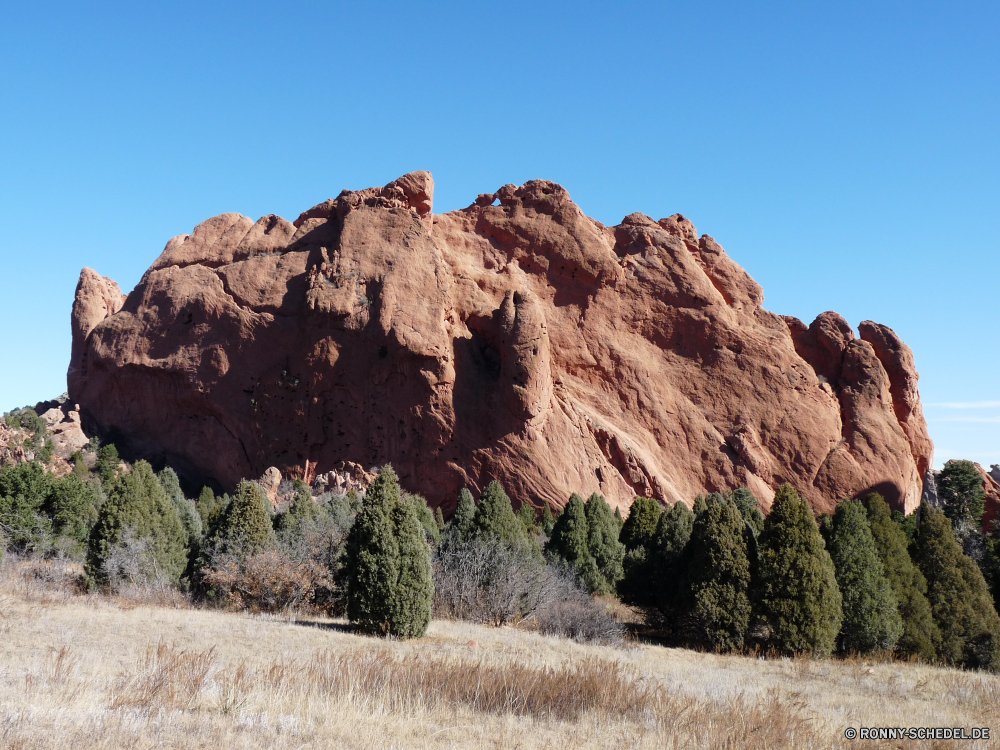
point(425, 517)
point(388, 564)
point(618, 519)
point(797, 586)
point(920, 633)
point(372, 561)
point(300, 516)
point(569, 541)
point(186, 510)
point(718, 572)
point(495, 520)
point(528, 517)
point(871, 613)
point(960, 601)
point(749, 508)
point(465, 512)
point(640, 525)
point(246, 526)
point(24, 488)
point(107, 462)
point(606, 551)
point(72, 505)
point(548, 521)
point(439, 519)
point(137, 503)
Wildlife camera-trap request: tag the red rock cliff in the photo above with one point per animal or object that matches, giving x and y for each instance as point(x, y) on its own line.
point(521, 341)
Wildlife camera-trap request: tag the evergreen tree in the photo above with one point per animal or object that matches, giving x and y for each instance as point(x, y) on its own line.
point(719, 573)
point(548, 520)
point(871, 613)
point(606, 551)
point(465, 512)
point(439, 519)
point(185, 508)
point(372, 558)
point(920, 634)
point(569, 540)
point(618, 519)
point(639, 527)
point(797, 587)
point(425, 517)
point(528, 517)
point(246, 525)
point(302, 514)
point(72, 506)
point(24, 489)
point(107, 463)
point(960, 488)
point(960, 601)
point(205, 504)
point(653, 572)
point(136, 501)
point(388, 565)
point(906, 524)
point(495, 519)
point(749, 508)
point(410, 607)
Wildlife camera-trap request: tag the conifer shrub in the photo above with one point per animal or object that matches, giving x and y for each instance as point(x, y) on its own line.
point(666, 577)
point(246, 524)
point(388, 570)
point(300, 516)
point(871, 613)
point(136, 503)
point(494, 519)
point(719, 575)
point(439, 519)
point(24, 489)
point(606, 551)
point(107, 463)
point(426, 518)
point(548, 521)
point(639, 527)
point(186, 510)
point(72, 505)
point(570, 542)
point(960, 489)
point(637, 536)
point(797, 586)
point(920, 633)
point(749, 508)
point(528, 517)
point(960, 601)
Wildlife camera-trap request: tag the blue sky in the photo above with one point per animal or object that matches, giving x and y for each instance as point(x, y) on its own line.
point(845, 154)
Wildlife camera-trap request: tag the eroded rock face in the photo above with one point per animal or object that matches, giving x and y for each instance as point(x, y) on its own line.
point(521, 341)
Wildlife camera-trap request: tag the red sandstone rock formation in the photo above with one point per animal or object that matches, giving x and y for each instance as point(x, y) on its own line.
point(521, 341)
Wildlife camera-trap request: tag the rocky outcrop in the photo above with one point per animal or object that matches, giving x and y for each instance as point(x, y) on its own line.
point(991, 486)
point(515, 339)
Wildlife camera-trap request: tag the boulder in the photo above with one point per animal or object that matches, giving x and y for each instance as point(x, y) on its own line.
point(515, 339)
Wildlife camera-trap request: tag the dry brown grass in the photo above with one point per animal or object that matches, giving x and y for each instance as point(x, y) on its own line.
point(89, 671)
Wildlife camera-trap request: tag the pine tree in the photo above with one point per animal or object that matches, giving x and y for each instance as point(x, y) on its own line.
point(718, 574)
point(246, 525)
point(107, 463)
point(136, 501)
point(960, 601)
point(618, 519)
point(302, 514)
point(72, 506)
point(797, 587)
point(465, 512)
point(569, 541)
point(388, 564)
point(372, 558)
point(653, 571)
point(640, 525)
point(920, 634)
point(606, 551)
point(439, 519)
point(185, 508)
point(528, 517)
point(871, 613)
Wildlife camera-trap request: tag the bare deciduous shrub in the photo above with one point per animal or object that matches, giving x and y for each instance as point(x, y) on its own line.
point(268, 581)
point(486, 581)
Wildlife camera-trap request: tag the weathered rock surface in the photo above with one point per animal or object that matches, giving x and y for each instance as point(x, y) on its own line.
point(521, 341)
point(991, 486)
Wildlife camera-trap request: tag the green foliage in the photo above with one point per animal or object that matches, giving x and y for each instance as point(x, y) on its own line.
point(27, 419)
point(301, 515)
point(797, 587)
point(210, 507)
point(960, 601)
point(749, 508)
point(389, 587)
point(107, 463)
point(548, 521)
point(871, 614)
point(606, 551)
point(439, 519)
point(640, 525)
point(136, 501)
point(246, 524)
point(906, 524)
point(653, 572)
point(960, 488)
point(618, 519)
point(495, 519)
point(72, 506)
point(186, 510)
point(465, 512)
point(920, 633)
point(528, 517)
point(718, 571)
point(569, 540)
point(426, 519)
point(24, 489)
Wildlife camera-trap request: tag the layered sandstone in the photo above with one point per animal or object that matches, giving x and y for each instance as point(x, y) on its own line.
point(516, 339)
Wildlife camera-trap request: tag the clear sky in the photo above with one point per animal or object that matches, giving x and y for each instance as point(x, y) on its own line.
point(846, 154)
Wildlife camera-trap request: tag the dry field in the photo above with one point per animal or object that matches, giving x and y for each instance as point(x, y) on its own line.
point(86, 671)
